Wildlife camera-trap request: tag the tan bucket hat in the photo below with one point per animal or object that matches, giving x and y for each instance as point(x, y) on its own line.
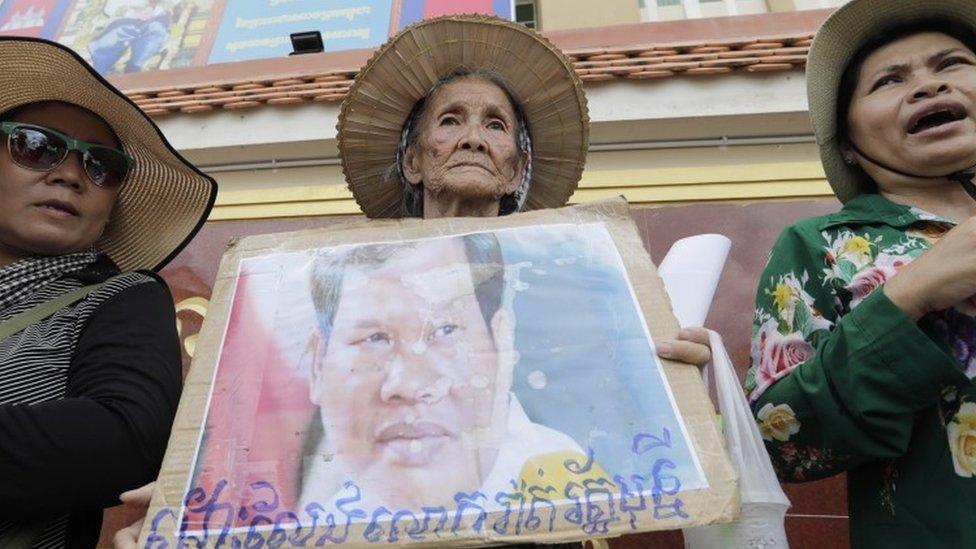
point(164, 201)
point(835, 45)
point(404, 69)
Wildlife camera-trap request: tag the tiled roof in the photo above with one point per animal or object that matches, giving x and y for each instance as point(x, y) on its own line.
point(638, 62)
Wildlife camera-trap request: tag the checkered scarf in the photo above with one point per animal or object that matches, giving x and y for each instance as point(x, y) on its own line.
point(20, 279)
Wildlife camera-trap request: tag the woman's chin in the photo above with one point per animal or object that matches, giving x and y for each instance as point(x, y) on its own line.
point(471, 187)
point(956, 151)
point(46, 245)
point(945, 156)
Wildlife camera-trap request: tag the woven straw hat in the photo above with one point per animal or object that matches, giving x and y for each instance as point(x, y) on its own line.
point(835, 45)
point(404, 69)
point(164, 201)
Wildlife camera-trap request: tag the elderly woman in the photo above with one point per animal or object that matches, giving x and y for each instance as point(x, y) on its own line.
point(470, 117)
point(89, 357)
point(864, 335)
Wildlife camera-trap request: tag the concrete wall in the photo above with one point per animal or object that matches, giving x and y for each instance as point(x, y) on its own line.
point(653, 12)
point(708, 9)
point(794, 5)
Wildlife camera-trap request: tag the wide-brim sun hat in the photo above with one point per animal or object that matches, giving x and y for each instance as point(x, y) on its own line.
point(403, 70)
point(838, 40)
point(164, 201)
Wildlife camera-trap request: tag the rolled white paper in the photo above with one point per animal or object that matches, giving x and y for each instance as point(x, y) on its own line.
point(691, 271)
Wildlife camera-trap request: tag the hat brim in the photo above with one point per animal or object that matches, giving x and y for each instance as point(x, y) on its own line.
point(834, 47)
point(404, 69)
point(165, 199)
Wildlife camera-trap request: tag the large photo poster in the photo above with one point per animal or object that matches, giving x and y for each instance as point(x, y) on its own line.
point(124, 36)
point(496, 382)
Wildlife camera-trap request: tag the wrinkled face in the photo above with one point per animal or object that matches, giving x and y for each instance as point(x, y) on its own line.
point(55, 212)
point(467, 144)
point(410, 378)
point(915, 106)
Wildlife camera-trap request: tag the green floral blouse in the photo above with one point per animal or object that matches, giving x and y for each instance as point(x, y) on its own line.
point(843, 380)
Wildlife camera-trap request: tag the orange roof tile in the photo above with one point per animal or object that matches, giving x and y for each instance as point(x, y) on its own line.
point(643, 61)
point(742, 44)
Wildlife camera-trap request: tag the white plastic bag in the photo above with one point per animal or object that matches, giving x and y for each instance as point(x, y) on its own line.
point(764, 505)
point(691, 271)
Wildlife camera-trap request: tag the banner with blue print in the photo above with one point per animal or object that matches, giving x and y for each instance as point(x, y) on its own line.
point(260, 29)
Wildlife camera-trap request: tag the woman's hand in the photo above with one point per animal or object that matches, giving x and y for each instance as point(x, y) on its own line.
point(692, 347)
point(943, 276)
point(128, 537)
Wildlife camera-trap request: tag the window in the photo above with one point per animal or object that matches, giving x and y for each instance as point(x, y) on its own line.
point(525, 12)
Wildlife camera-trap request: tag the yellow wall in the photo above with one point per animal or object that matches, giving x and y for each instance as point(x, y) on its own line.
point(573, 14)
point(781, 5)
point(644, 177)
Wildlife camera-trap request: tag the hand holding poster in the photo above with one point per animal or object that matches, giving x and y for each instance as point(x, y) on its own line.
point(451, 381)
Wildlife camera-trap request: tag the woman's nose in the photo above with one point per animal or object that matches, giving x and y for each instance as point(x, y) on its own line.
point(69, 172)
point(930, 88)
point(473, 139)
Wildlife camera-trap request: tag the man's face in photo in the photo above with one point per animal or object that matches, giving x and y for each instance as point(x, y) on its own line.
point(408, 381)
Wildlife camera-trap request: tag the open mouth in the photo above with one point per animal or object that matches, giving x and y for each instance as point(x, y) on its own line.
point(940, 116)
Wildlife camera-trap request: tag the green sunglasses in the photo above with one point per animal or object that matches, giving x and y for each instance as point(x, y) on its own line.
point(43, 149)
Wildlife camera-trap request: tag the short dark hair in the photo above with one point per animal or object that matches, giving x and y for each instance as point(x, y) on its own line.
point(413, 195)
point(482, 251)
point(894, 33)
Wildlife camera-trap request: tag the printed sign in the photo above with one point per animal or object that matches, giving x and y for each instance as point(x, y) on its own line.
point(425, 382)
point(260, 29)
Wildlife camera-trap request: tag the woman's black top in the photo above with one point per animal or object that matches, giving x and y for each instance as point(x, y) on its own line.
point(87, 396)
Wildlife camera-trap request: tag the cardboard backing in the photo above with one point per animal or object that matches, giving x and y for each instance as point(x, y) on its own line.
point(645, 504)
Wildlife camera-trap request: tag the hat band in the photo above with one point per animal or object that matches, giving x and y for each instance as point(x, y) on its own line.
point(963, 177)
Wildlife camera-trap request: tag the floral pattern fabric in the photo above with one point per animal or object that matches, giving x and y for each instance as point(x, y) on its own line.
point(855, 265)
point(843, 381)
